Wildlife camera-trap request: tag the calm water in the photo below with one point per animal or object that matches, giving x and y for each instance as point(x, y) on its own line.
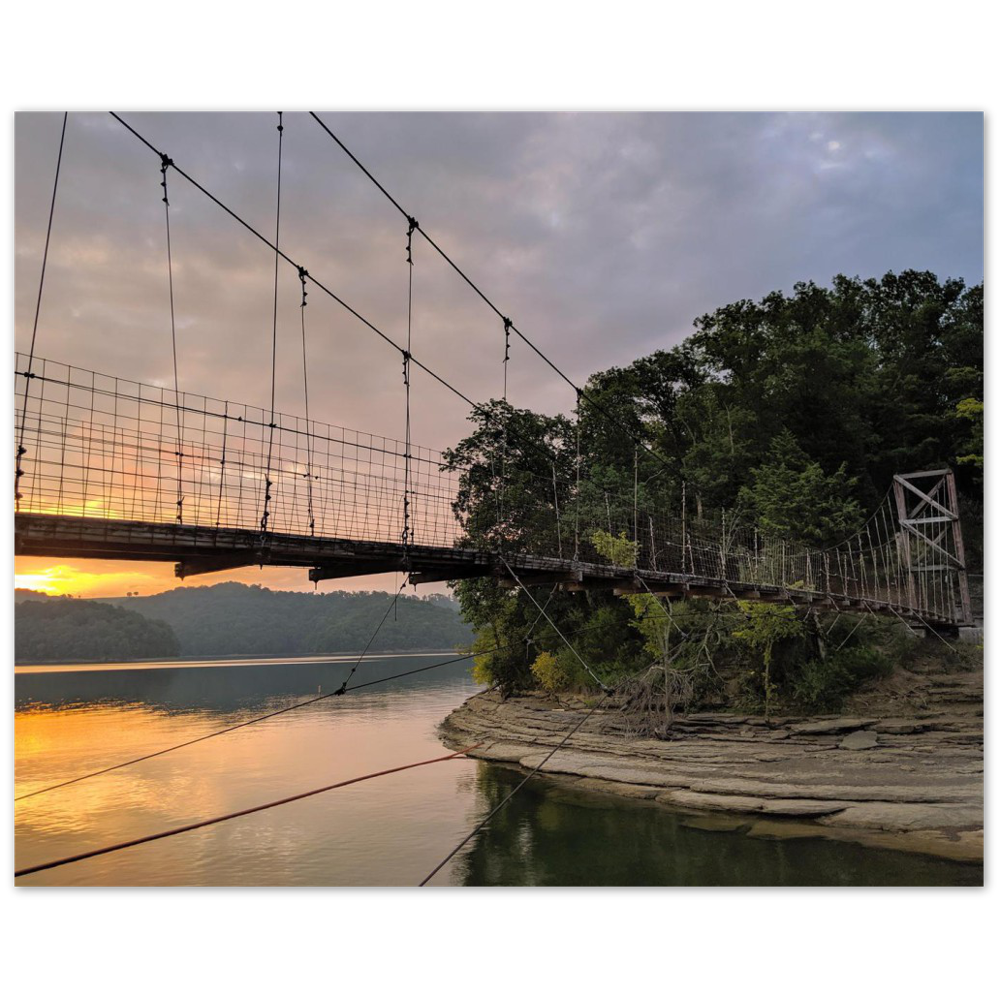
point(389, 831)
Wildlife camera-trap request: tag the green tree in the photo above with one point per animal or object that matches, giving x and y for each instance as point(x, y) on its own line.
point(792, 496)
point(971, 411)
point(766, 627)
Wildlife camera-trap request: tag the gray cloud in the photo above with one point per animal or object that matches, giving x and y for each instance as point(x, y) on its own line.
point(602, 235)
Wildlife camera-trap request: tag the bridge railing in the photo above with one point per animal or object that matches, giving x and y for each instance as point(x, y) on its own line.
point(882, 564)
point(94, 445)
point(100, 446)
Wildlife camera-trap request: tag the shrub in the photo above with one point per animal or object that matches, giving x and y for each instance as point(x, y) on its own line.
point(549, 672)
point(865, 663)
point(766, 629)
point(824, 684)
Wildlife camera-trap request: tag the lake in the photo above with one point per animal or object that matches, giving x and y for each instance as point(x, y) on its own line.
point(391, 830)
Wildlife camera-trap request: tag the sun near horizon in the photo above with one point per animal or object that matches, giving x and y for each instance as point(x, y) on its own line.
point(117, 578)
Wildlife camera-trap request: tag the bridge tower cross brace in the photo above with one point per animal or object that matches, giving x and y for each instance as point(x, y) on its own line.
point(929, 515)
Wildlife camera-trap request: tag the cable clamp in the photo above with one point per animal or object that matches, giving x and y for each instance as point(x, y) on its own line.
point(165, 162)
point(413, 224)
point(281, 128)
point(342, 689)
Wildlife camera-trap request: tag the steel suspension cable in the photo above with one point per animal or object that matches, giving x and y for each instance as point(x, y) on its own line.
point(165, 164)
point(581, 393)
point(555, 627)
point(548, 361)
point(305, 393)
point(476, 407)
point(407, 538)
point(274, 337)
point(378, 628)
point(506, 425)
point(29, 373)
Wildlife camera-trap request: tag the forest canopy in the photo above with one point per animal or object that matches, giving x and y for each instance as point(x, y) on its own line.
point(233, 619)
point(792, 413)
point(60, 630)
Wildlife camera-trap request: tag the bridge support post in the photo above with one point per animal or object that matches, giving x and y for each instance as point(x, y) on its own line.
point(930, 544)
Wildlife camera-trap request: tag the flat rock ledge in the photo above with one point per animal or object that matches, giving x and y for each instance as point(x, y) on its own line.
point(913, 784)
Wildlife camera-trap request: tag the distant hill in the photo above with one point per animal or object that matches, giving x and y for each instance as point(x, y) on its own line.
point(59, 630)
point(235, 619)
point(23, 594)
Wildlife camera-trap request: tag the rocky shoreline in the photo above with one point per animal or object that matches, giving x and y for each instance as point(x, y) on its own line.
point(910, 781)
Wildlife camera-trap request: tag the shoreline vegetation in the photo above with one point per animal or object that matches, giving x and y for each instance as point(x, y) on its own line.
point(788, 416)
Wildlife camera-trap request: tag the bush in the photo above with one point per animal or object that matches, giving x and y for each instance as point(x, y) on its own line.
point(865, 663)
point(549, 672)
point(825, 684)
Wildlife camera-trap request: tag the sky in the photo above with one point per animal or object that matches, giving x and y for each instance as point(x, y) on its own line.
point(603, 236)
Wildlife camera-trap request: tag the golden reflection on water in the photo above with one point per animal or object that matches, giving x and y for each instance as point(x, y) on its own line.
point(378, 832)
point(389, 831)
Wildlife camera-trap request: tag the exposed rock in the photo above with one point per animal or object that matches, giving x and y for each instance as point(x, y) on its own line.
point(863, 739)
point(750, 804)
point(922, 790)
point(902, 727)
point(618, 788)
point(831, 726)
point(910, 816)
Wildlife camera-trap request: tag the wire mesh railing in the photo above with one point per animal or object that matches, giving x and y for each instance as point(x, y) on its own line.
point(100, 446)
point(97, 446)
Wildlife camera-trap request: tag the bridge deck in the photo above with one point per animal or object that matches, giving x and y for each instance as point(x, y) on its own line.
point(113, 469)
point(197, 550)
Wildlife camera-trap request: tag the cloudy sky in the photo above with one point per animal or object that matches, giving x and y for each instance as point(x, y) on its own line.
point(602, 235)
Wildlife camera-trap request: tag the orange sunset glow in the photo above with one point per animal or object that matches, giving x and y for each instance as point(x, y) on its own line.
point(115, 578)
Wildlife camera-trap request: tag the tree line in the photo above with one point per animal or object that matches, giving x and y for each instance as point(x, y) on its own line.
point(232, 619)
point(791, 413)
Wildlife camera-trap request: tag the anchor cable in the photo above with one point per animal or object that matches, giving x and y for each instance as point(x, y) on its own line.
point(479, 826)
point(111, 848)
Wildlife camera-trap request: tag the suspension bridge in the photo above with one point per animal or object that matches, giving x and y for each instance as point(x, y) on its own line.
point(104, 476)
point(110, 468)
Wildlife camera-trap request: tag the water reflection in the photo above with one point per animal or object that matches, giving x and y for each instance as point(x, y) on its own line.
point(549, 834)
point(217, 686)
point(390, 831)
